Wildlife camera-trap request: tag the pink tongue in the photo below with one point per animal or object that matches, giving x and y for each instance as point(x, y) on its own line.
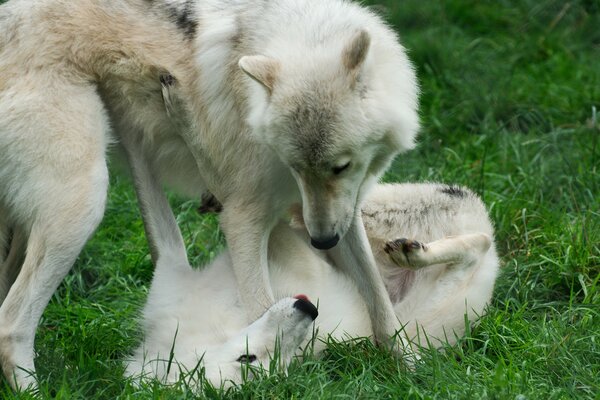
point(301, 297)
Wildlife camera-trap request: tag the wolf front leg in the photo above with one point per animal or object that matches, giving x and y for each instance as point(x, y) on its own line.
point(247, 228)
point(354, 256)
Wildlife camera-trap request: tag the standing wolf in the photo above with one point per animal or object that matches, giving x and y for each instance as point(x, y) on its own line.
point(263, 103)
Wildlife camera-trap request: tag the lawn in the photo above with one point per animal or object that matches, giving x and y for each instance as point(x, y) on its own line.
point(510, 107)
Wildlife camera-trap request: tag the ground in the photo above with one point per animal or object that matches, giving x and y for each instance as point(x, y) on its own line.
point(511, 108)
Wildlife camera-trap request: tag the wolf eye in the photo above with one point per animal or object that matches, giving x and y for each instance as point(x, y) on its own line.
point(246, 358)
point(341, 168)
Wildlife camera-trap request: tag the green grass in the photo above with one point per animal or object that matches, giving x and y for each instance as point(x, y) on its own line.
point(508, 90)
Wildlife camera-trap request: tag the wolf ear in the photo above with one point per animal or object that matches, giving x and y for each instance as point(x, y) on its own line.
point(355, 53)
point(263, 70)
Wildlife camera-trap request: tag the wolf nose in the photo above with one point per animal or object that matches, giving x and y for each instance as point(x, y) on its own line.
point(325, 244)
point(307, 308)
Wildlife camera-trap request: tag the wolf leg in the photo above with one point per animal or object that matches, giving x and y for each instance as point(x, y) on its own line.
point(163, 233)
point(454, 250)
point(247, 228)
point(5, 231)
point(353, 254)
point(11, 265)
point(56, 179)
point(462, 282)
point(56, 239)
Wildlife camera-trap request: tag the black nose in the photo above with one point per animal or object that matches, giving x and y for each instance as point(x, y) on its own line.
point(325, 244)
point(307, 307)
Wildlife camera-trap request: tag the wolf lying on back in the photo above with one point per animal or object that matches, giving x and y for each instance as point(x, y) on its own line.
point(263, 103)
point(432, 283)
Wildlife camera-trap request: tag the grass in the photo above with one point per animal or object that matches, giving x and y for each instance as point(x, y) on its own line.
point(508, 96)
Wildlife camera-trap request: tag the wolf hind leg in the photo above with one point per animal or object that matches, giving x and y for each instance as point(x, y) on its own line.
point(56, 131)
point(454, 290)
point(10, 264)
point(461, 250)
point(164, 236)
point(5, 233)
point(56, 238)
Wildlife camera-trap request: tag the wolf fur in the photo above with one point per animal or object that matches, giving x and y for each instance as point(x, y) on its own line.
point(194, 320)
point(262, 103)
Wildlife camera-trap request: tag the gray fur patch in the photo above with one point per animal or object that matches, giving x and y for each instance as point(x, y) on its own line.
point(355, 54)
point(185, 19)
point(453, 191)
point(181, 14)
point(312, 122)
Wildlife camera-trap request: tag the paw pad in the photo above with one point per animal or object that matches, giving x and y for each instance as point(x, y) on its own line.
point(406, 245)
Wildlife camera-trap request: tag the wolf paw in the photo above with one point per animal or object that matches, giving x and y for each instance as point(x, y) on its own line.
point(402, 349)
point(405, 252)
point(209, 204)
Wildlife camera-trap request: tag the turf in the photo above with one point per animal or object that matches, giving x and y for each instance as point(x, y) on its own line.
point(511, 108)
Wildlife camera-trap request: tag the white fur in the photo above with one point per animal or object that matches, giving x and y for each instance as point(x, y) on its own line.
point(432, 290)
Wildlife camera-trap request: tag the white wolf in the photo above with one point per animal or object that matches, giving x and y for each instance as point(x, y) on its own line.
point(263, 103)
point(195, 320)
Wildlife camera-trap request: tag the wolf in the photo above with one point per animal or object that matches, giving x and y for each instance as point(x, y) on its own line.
point(262, 103)
point(445, 273)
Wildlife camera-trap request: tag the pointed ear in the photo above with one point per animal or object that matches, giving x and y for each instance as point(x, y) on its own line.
point(263, 70)
point(355, 53)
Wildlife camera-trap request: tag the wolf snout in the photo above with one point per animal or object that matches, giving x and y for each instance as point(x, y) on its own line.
point(325, 243)
point(308, 308)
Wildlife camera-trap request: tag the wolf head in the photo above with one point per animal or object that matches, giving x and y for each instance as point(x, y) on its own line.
point(275, 336)
point(336, 118)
